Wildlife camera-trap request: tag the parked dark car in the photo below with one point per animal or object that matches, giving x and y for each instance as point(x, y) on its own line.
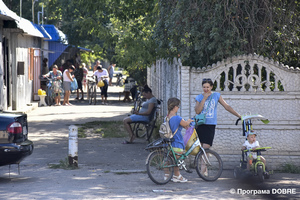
point(14, 143)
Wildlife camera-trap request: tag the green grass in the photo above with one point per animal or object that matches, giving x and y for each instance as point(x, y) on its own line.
point(63, 164)
point(107, 129)
point(81, 132)
point(290, 168)
point(122, 173)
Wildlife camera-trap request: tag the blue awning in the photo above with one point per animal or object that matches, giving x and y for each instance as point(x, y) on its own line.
point(43, 31)
point(56, 34)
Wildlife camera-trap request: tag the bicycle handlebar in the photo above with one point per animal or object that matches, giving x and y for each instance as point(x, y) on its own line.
point(237, 121)
point(257, 149)
point(51, 79)
point(91, 78)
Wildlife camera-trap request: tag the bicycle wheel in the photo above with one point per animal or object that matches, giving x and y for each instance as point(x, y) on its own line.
point(160, 167)
point(140, 130)
point(49, 98)
point(260, 173)
point(95, 95)
point(210, 168)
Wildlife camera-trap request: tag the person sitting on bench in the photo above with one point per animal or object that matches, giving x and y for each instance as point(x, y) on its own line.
point(142, 114)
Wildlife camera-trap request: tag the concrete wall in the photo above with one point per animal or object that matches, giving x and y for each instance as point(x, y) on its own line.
point(248, 87)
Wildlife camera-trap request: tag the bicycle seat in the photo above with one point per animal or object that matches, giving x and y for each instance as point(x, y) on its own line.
point(159, 143)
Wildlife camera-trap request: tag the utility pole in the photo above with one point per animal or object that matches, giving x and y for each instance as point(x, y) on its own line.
point(33, 1)
point(20, 8)
point(32, 9)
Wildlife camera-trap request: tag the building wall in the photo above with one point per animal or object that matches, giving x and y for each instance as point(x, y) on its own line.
point(247, 88)
point(21, 88)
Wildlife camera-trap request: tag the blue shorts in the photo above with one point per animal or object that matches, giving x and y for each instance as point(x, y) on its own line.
point(138, 118)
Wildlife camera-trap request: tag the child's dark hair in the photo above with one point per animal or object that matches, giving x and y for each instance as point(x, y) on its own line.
point(207, 80)
point(147, 89)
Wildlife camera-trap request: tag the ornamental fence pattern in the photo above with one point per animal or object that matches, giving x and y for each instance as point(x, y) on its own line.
point(250, 84)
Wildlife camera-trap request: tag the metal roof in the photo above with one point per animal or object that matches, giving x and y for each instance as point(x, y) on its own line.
point(5, 13)
point(23, 24)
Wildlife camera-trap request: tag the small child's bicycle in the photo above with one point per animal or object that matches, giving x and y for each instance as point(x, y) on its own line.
point(257, 168)
point(162, 160)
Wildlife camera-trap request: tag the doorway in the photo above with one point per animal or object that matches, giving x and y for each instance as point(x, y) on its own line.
point(6, 74)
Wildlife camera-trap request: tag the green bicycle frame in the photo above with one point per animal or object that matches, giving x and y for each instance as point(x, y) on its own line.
point(183, 156)
point(258, 160)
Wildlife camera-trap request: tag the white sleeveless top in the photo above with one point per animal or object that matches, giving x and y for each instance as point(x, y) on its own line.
point(66, 78)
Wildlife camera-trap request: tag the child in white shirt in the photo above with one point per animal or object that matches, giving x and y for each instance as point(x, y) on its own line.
point(251, 143)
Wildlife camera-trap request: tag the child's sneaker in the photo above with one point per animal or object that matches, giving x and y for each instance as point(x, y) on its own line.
point(179, 179)
point(166, 176)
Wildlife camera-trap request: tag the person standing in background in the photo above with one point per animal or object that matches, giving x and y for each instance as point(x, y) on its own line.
point(85, 73)
point(79, 77)
point(96, 65)
point(67, 79)
point(102, 74)
point(111, 70)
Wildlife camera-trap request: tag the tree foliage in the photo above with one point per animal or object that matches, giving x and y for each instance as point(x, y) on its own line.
point(134, 33)
point(206, 31)
point(26, 10)
point(117, 30)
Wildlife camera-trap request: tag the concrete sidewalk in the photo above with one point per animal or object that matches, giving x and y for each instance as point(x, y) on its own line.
point(115, 96)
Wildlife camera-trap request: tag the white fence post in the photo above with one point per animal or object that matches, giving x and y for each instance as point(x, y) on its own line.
point(73, 146)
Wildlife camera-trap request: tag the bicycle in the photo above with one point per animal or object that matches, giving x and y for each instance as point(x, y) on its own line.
point(138, 129)
point(142, 129)
point(92, 89)
point(120, 80)
point(137, 103)
point(257, 168)
point(162, 160)
point(50, 90)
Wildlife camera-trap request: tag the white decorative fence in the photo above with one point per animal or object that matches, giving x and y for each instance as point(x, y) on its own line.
point(248, 83)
